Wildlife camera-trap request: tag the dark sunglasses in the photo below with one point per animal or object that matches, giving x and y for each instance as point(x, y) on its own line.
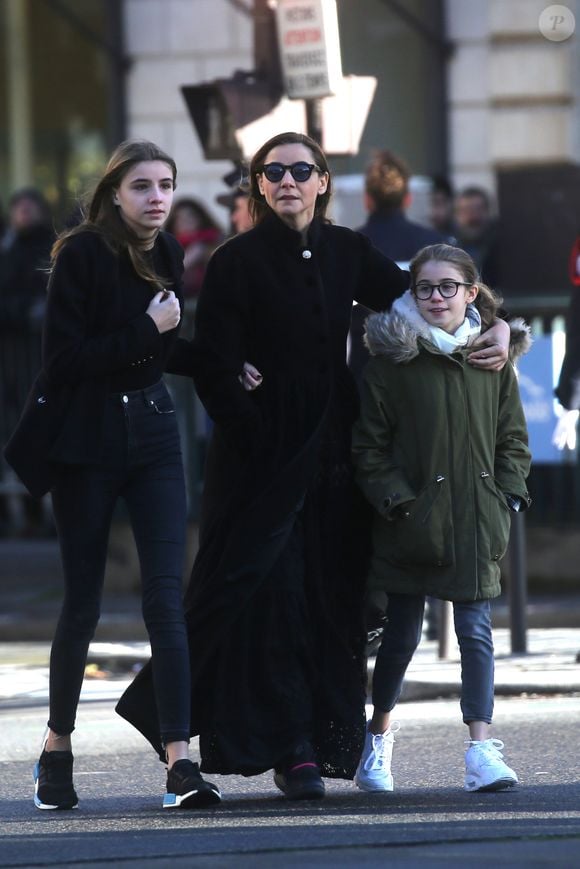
point(300, 171)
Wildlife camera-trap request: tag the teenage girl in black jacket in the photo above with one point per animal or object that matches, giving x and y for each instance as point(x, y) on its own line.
point(114, 307)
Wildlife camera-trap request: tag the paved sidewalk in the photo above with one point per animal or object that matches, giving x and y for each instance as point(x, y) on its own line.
point(549, 667)
point(30, 595)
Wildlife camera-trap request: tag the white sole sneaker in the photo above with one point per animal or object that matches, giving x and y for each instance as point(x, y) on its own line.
point(371, 787)
point(193, 799)
point(373, 773)
point(500, 784)
point(68, 804)
point(485, 768)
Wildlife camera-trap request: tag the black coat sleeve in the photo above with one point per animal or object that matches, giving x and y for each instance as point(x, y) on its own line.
point(70, 353)
point(381, 281)
point(219, 349)
point(568, 388)
point(181, 358)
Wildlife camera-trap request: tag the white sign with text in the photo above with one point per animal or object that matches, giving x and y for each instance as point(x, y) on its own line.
point(309, 47)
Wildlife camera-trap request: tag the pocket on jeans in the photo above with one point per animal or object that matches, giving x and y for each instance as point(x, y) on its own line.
point(162, 405)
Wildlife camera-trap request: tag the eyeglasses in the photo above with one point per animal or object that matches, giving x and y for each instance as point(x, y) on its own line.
point(300, 171)
point(447, 289)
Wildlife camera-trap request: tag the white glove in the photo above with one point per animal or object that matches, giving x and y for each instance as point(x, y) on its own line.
point(564, 434)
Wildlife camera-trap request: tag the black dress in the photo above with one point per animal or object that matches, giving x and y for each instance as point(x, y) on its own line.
point(274, 606)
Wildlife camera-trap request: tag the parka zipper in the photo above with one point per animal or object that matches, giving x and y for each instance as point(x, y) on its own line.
point(438, 480)
point(474, 499)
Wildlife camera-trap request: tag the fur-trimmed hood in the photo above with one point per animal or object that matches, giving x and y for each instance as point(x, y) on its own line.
point(399, 333)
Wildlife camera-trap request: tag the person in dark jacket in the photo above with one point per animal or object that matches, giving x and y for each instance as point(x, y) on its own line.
point(441, 206)
point(441, 453)
point(567, 390)
point(112, 318)
point(199, 235)
point(477, 231)
point(24, 261)
point(387, 196)
point(274, 606)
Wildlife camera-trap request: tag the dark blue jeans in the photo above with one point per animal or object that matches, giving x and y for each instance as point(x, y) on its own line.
point(141, 464)
point(402, 635)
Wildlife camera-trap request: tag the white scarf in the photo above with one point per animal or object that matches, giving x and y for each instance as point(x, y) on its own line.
point(462, 337)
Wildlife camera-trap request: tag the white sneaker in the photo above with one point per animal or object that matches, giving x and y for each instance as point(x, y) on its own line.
point(485, 768)
point(373, 772)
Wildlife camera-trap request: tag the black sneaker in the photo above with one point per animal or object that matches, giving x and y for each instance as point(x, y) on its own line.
point(187, 789)
point(299, 778)
point(53, 784)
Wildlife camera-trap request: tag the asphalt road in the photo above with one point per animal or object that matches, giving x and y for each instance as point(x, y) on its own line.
point(429, 821)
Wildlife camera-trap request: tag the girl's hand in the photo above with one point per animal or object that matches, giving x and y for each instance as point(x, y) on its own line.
point(250, 378)
point(164, 310)
point(494, 344)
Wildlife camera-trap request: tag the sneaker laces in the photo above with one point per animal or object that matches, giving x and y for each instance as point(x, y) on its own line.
point(382, 748)
point(488, 750)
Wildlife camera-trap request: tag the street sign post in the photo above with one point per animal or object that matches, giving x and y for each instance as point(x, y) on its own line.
point(309, 47)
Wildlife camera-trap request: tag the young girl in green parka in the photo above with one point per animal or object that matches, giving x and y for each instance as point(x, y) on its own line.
point(441, 452)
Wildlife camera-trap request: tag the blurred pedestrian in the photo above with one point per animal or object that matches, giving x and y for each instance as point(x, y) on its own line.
point(274, 606)
point(568, 389)
point(240, 214)
point(237, 200)
point(114, 306)
point(387, 197)
point(441, 208)
point(23, 278)
point(477, 232)
point(199, 235)
point(2, 226)
point(24, 261)
point(441, 454)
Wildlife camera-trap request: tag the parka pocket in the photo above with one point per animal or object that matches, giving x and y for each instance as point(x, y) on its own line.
point(425, 534)
point(495, 529)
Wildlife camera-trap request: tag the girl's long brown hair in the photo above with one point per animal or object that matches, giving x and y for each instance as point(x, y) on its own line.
point(487, 302)
point(102, 215)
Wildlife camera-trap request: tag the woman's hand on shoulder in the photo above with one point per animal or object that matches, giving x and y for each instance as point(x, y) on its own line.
point(250, 378)
point(164, 310)
point(491, 349)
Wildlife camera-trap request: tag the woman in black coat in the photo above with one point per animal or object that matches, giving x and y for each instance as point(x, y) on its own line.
point(100, 426)
point(274, 607)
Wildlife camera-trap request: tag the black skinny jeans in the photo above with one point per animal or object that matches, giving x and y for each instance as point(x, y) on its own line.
point(142, 464)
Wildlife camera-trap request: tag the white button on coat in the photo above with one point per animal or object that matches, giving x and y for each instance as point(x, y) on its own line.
point(306, 254)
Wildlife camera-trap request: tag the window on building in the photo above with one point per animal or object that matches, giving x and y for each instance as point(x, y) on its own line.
point(59, 95)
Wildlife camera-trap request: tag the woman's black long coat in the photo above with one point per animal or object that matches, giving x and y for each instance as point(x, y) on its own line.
point(279, 573)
